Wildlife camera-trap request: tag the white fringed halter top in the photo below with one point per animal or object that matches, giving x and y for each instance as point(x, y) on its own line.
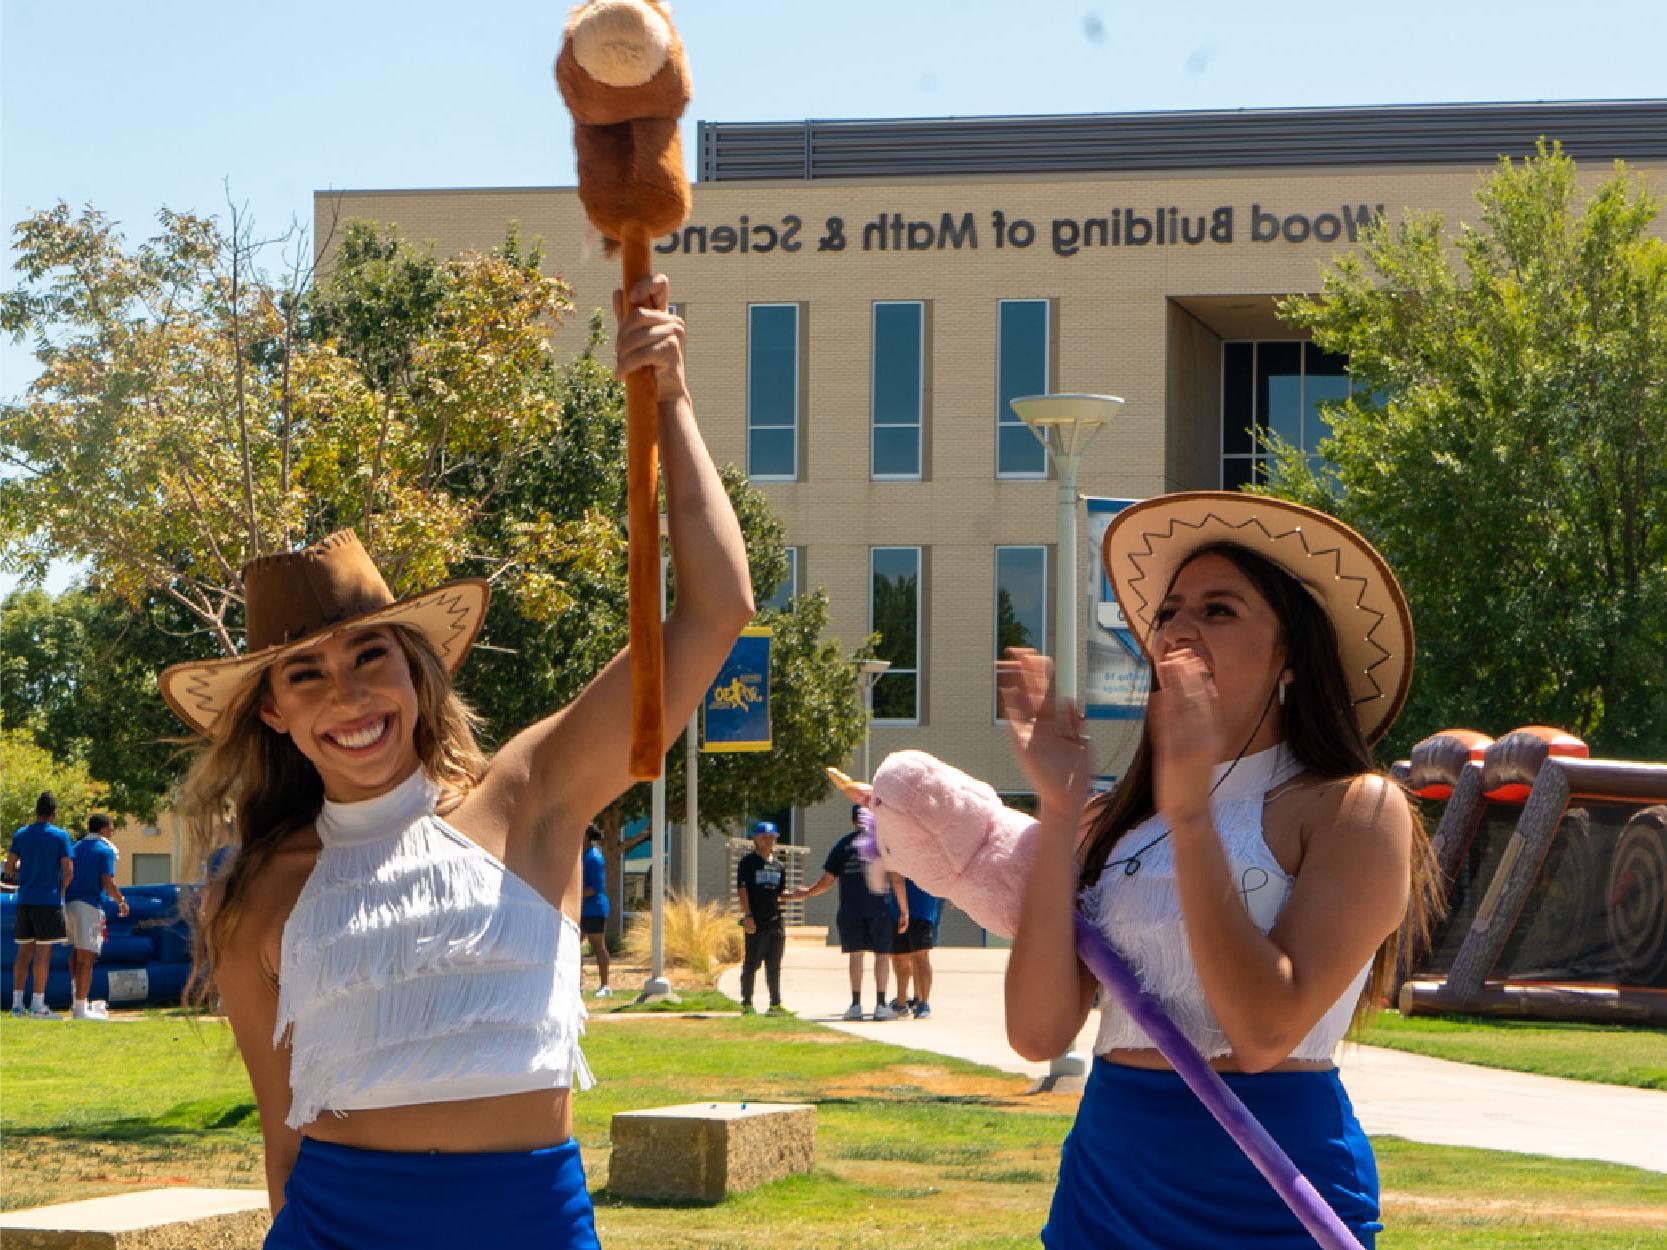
point(1140, 913)
point(416, 968)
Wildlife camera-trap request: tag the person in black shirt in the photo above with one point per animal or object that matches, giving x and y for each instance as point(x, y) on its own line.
point(759, 882)
point(864, 921)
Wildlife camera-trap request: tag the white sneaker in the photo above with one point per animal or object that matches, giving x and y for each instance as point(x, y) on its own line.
point(853, 1012)
point(884, 1012)
point(98, 1009)
point(603, 992)
point(43, 1012)
point(20, 1010)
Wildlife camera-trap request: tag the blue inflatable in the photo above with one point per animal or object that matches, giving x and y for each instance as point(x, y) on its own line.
point(145, 962)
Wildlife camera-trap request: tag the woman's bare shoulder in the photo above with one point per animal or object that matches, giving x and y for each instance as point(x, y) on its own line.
point(268, 898)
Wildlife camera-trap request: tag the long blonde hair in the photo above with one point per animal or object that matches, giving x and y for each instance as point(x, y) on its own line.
point(259, 778)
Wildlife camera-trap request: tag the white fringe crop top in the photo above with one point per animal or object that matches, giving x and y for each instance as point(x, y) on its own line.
point(417, 968)
point(1140, 913)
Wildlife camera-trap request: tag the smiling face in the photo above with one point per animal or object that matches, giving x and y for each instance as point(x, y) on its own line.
point(350, 707)
point(1214, 612)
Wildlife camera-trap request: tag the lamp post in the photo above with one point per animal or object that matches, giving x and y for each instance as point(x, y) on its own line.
point(868, 672)
point(657, 988)
point(1065, 425)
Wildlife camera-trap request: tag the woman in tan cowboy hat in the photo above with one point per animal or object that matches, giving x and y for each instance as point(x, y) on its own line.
point(395, 940)
point(1253, 868)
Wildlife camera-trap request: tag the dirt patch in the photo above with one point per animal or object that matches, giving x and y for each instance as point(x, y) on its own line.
point(1537, 1212)
point(1009, 1092)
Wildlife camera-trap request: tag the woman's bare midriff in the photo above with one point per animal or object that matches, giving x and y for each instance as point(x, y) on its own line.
point(1154, 1061)
point(510, 1122)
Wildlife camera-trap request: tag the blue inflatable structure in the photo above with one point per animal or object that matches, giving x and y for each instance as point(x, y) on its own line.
point(146, 959)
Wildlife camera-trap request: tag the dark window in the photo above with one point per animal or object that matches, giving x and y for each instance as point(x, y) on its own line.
point(894, 614)
point(1021, 369)
point(1282, 386)
point(773, 391)
point(789, 584)
point(898, 390)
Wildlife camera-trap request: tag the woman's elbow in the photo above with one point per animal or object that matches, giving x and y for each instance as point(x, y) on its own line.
point(1037, 1040)
point(1262, 1052)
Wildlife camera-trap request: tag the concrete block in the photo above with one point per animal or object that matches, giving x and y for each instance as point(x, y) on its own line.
point(701, 1152)
point(180, 1218)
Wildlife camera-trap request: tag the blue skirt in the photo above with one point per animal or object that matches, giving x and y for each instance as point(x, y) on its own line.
point(1146, 1167)
point(342, 1198)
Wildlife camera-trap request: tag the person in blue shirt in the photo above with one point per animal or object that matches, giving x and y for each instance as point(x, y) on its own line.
point(863, 921)
point(94, 876)
point(40, 857)
point(911, 950)
point(593, 908)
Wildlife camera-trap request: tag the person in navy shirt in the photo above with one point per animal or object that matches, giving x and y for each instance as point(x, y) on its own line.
point(40, 856)
point(94, 876)
point(760, 879)
point(593, 908)
point(863, 921)
point(917, 934)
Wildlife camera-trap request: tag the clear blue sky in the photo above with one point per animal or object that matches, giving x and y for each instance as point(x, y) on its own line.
point(131, 106)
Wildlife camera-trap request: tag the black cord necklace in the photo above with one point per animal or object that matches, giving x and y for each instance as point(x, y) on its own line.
point(1131, 863)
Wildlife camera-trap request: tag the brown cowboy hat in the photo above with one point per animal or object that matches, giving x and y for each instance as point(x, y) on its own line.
point(1148, 542)
point(297, 599)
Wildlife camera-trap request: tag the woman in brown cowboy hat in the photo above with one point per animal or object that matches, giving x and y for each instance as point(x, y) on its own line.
point(1253, 867)
point(395, 940)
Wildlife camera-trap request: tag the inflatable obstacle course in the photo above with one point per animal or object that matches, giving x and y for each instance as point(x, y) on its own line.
point(1555, 871)
point(146, 959)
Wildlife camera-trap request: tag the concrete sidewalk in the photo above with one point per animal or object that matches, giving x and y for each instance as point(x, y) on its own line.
point(1427, 1100)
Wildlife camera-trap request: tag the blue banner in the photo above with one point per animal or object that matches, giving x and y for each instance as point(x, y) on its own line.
point(1118, 678)
point(735, 714)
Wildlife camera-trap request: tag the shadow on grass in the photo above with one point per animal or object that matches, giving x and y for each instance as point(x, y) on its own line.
point(182, 1120)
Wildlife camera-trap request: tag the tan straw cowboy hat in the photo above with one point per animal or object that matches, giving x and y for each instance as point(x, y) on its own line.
point(297, 599)
point(1148, 542)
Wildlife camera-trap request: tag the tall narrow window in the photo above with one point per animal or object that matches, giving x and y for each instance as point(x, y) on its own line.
point(894, 603)
point(898, 389)
point(1021, 369)
point(789, 584)
point(1021, 607)
point(773, 392)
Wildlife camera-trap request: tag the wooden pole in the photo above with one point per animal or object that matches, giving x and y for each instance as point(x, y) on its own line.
point(642, 465)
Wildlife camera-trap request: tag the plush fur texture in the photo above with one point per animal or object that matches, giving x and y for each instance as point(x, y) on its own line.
point(952, 836)
point(624, 76)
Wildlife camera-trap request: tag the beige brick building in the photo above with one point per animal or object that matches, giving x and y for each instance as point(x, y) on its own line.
point(862, 297)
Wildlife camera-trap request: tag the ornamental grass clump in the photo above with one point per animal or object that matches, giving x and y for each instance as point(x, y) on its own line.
point(701, 937)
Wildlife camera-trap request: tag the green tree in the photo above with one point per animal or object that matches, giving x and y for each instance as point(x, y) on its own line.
point(194, 399)
point(1505, 446)
point(78, 672)
point(27, 769)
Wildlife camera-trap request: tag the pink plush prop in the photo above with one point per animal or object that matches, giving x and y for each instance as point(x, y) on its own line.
point(953, 837)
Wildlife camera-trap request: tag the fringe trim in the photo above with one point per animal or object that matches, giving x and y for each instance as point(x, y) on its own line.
point(510, 1052)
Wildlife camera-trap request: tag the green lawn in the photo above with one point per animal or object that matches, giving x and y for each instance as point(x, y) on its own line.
point(1608, 1053)
point(915, 1152)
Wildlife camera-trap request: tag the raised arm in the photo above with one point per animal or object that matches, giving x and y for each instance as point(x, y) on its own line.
point(574, 763)
point(1048, 991)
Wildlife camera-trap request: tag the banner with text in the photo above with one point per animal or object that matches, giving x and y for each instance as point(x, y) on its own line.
point(1118, 677)
point(735, 714)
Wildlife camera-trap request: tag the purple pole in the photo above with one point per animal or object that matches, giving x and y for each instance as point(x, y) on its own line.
point(1230, 1112)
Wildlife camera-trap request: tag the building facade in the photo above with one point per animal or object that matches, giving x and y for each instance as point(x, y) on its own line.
point(863, 299)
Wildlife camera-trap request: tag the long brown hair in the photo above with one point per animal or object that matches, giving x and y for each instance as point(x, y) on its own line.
point(270, 790)
point(1321, 731)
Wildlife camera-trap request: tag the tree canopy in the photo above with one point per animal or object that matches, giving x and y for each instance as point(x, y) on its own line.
point(1505, 447)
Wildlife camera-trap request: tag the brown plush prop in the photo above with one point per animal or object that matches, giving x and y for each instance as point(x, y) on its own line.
point(624, 77)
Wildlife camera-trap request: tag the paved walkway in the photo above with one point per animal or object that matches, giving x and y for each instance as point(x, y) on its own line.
point(1428, 1100)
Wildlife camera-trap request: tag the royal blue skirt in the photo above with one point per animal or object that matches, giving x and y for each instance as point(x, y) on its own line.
point(1146, 1167)
point(343, 1198)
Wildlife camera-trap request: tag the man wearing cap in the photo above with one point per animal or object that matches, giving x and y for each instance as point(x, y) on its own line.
point(40, 856)
point(864, 921)
point(94, 875)
point(759, 882)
